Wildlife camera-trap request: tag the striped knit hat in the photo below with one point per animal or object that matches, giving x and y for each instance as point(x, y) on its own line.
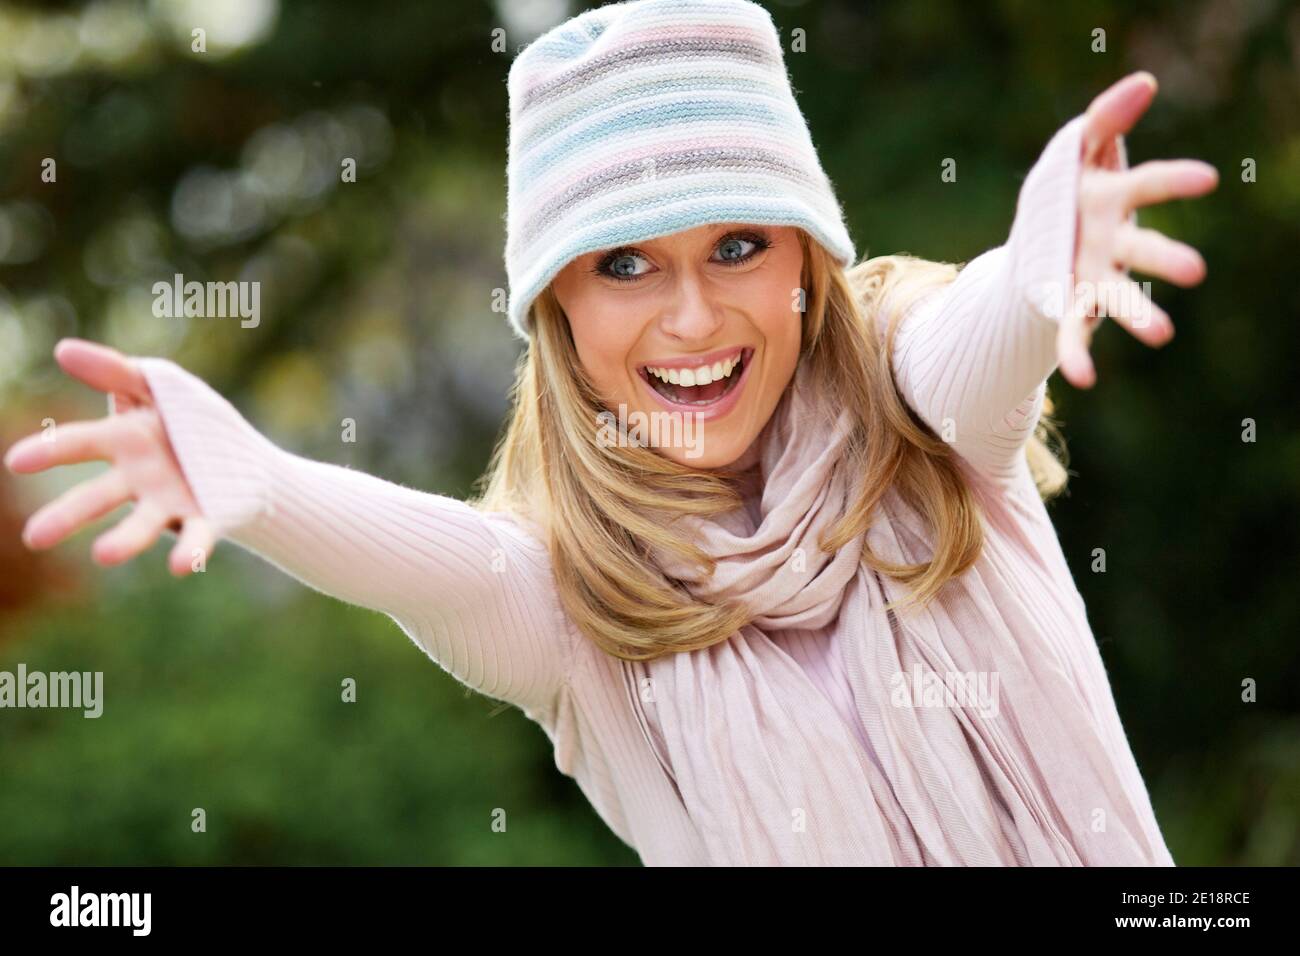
point(643, 118)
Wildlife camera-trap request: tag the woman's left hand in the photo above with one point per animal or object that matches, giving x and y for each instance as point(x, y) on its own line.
point(1107, 240)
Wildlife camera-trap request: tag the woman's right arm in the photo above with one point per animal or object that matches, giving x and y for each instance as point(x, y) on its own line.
point(473, 590)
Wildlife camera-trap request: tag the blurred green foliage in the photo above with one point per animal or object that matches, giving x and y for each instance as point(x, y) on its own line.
point(216, 700)
point(222, 692)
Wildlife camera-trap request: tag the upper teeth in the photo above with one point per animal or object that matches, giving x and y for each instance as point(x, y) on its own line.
point(702, 375)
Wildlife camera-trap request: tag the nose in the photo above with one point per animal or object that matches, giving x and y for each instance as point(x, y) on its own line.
point(690, 314)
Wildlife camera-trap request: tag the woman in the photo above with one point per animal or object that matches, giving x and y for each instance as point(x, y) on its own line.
point(834, 626)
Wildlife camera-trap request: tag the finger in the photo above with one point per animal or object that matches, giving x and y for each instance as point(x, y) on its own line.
point(1159, 180)
point(196, 540)
point(1127, 303)
point(1115, 111)
point(66, 444)
point(133, 534)
point(1072, 358)
point(76, 507)
point(102, 368)
point(1155, 254)
point(1074, 336)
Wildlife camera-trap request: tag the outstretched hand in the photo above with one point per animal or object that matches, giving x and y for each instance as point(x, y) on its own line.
point(1108, 243)
point(143, 468)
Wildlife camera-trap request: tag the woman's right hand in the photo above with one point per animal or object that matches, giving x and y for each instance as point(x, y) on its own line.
point(143, 468)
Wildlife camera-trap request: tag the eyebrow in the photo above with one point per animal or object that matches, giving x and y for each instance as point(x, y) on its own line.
point(722, 230)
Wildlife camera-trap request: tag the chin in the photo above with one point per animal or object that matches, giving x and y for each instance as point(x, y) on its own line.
point(709, 455)
point(705, 448)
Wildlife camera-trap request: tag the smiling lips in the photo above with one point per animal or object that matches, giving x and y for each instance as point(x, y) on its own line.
point(701, 384)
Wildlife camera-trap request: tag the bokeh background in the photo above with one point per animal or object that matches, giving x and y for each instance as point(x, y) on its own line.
point(222, 690)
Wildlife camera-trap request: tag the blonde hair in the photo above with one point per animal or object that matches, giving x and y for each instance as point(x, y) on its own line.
point(602, 509)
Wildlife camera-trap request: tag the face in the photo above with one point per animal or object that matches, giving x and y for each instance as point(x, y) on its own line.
point(692, 336)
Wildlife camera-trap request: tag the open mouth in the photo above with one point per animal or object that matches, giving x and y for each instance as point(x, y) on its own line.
point(700, 385)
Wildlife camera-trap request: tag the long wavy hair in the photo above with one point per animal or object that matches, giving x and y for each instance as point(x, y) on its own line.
point(604, 509)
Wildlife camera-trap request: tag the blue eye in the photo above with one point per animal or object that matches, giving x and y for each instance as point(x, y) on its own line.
point(619, 264)
point(732, 243)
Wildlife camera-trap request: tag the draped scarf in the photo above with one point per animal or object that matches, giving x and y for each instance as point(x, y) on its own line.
point(907, 771)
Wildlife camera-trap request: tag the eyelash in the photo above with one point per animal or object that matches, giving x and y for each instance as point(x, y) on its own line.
point(761, 243)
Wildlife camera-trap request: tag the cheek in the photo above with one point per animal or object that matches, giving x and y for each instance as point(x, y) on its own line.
point(782, 331)
point(778, 323)
point(603, 346)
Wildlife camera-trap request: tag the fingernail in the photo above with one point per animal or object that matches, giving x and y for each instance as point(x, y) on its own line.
point(1148, 78)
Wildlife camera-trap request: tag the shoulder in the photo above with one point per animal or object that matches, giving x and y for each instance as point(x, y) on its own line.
point(521, 528)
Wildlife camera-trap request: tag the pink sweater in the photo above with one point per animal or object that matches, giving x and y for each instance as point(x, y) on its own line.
point(676, 783)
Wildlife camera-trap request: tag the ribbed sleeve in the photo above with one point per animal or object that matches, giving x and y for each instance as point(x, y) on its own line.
point(473, 590)
point(973, 359)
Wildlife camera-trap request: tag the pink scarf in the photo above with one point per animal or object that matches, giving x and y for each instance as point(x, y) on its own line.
point(773, 771)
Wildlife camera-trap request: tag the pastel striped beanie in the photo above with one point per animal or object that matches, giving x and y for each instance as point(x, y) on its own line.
point(643, 118)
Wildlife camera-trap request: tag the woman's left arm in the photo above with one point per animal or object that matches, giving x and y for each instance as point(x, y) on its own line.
point(973, 358)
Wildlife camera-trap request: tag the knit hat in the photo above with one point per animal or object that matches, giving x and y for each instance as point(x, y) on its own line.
point(643, 118)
